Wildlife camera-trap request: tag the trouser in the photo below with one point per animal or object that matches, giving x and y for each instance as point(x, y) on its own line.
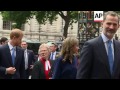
point(27, 74)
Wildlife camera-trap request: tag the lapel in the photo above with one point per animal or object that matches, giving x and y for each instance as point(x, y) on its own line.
point(7, 49)
point(28, 52)
point(42, 73)
point(17, 54)
point(116, 55)
point(57, 54)
point(51, 62)
point(103, 53)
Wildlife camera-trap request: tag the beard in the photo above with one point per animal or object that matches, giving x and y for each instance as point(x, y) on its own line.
point(110, 34)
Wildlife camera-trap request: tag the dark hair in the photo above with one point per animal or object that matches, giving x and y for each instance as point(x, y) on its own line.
point(111, 13)
point(54, 43)
point(3, 39)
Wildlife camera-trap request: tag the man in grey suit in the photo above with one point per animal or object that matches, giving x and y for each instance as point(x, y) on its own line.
point(98, 58)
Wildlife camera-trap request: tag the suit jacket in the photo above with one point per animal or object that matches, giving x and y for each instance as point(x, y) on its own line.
point(6, 61)
point(94, 62)
point(56, 56)
point(38, 71)
point(31, 58)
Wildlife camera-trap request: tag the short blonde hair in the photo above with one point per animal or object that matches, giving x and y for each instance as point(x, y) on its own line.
point(43, 45)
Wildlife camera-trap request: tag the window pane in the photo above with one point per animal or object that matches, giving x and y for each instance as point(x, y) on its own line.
point(6, 25)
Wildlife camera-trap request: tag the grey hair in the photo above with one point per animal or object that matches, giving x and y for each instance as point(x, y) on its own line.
point(43, 45)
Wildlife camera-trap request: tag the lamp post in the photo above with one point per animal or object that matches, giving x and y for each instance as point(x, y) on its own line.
point(87, 28)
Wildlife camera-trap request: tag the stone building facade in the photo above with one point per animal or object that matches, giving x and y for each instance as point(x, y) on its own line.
point(35, 32)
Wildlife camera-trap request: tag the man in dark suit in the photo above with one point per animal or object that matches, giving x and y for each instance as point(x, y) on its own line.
point(12, 64)
point(53, 49)
point(98, 58)
point(29, 59)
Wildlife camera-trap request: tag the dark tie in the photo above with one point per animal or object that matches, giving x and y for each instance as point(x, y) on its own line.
point(110, 56)
point(52, 56)
point(13, 55)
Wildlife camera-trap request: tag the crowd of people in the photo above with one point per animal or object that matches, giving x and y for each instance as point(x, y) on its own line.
point(98, 59)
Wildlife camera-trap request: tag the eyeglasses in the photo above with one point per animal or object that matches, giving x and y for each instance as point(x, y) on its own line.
point(24, 44)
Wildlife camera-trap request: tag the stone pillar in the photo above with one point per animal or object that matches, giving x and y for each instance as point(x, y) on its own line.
point(1, 22)
point(32, 24)
point(27, 26)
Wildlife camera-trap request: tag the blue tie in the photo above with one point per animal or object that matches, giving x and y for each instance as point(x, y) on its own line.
point(110, 56)
point(13, 55)
point(52, 56)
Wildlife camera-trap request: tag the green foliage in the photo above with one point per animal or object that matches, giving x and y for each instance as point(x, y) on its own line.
point(20, 17)
point(73, 17)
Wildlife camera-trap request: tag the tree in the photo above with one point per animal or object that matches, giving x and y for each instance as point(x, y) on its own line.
point(20, 17)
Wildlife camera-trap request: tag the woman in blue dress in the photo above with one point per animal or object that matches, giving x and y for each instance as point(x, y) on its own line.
point(66, 64)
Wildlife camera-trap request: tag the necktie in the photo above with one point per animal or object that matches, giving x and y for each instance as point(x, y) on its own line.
point(110, 56)
point(26, 59)
point(52, 56)
point(13, 55)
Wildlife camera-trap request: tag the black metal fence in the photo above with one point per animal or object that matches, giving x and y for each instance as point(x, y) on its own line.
point(87, 28)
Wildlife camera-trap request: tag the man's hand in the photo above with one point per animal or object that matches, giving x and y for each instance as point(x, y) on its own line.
point(31, 66)
point(10, 70)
